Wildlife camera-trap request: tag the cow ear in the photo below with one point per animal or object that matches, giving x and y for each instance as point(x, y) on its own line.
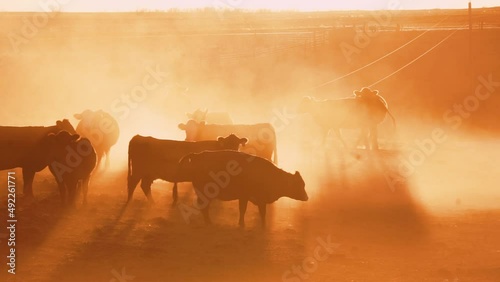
point(220, 138)
point(243, 141)
point(182, 126)
point(51, 139)
point(78, 116)
point(58, 123)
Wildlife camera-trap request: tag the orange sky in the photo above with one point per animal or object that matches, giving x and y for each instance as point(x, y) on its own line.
point(134, 5)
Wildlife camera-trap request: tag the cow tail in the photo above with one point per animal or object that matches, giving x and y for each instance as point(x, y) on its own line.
point(178, 176)
point(129, 174)
point(381, 99)
point(393, 137)
point(275, 155)
point(393, 119)
point(183, 160)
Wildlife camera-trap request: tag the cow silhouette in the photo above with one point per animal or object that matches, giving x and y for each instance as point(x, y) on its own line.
point(365, 111)
point(101, 129)
point(30, 148)
point(232, 175)
point(261, 136)
point(150, 159)
point(74, 159)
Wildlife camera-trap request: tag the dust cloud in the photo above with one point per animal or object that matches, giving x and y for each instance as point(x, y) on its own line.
point(149, 69)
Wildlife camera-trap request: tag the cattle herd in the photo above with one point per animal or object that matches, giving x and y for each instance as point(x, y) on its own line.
point(222, 160)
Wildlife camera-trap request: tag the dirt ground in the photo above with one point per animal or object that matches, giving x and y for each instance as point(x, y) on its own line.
point(374, 231)
point(409, 212)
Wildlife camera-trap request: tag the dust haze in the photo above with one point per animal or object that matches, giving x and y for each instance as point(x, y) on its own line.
point(424, 206)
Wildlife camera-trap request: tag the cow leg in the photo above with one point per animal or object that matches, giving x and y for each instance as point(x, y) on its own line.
point(99, 159)
point(339, 135)
point(374, 137)
point(174, 194)
point(262, 212)
point(85, 189)
point(28, 176)
point(243, 209)
point(323, 137)
point(106, 165)
point(78, 190)
point(72, 192)
point(146, 188)
point(62, 192)
point(363, 137)
point(131, 184)
point(204, 210)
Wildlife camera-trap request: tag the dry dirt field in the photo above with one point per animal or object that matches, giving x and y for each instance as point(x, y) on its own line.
point(426, 207)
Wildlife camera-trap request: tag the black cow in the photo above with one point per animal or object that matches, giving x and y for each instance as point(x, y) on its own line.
point(29, 148)
point(74, 159)
point(230, 175)
point(150, 159)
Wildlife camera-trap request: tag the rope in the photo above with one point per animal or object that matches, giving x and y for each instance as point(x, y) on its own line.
point(379, 59)
point(414, 60)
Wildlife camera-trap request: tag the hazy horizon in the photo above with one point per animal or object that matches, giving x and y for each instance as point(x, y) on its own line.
point(316, 5)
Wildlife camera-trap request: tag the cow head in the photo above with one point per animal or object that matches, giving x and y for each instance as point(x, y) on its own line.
point(84, 115)
point(91, 116)
point(65, 125)
point(365, 92)
point(296, 187)
point(198, 115)
point(232, 142)
point(87, 119)
point(47, 145)
point(100, 127)
point(65, 138)
point(192, 129)
point(54, 144)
